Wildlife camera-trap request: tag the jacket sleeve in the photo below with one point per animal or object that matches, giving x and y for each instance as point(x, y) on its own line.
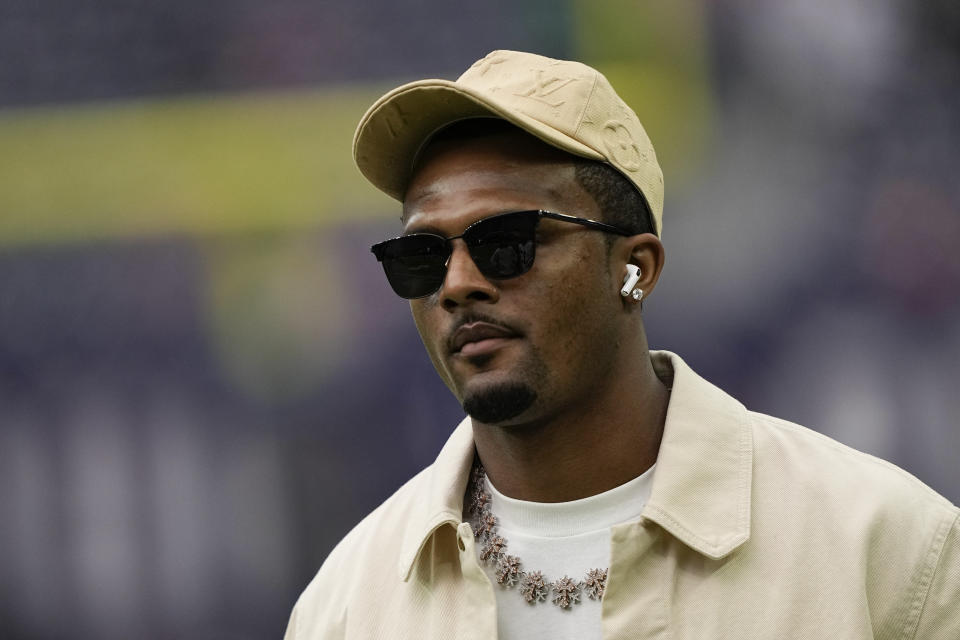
point(940, 613)
point(291, 633)
point(320, 612)
point(308, 621)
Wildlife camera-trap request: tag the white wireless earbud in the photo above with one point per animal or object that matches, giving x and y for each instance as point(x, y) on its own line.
point(630, 280)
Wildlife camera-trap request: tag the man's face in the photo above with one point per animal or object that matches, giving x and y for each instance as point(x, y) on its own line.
point(515, 351)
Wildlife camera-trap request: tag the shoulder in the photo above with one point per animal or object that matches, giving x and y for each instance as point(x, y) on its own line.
point(368, 572)
point(796, 453)
point(835, 500)
point(851, 515)
point(377, 538)
point(367, 558)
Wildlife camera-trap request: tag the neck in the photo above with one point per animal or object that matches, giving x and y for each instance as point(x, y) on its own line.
point(583, 450)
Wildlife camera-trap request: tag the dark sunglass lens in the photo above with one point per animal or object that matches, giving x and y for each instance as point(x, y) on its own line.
point(503, 246)
point(415, 265)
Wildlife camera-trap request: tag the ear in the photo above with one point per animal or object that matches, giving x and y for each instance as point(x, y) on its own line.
point(643, 250)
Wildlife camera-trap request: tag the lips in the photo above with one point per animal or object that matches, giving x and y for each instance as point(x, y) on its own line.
point(478, 332)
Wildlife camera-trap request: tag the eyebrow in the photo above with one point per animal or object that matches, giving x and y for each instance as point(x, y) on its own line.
point(424, 229)
point(428, 195)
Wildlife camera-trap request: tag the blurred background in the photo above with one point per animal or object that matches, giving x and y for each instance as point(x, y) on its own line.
point(204, 378)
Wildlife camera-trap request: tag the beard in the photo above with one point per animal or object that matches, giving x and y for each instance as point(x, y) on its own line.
point(499, 403)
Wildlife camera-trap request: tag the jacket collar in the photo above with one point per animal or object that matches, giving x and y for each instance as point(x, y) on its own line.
point(701, 487)
point(439, 499)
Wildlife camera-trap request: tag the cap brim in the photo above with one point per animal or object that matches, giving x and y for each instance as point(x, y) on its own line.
point(398, 125)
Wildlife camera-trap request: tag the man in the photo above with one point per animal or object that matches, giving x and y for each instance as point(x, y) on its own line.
point(596, 489)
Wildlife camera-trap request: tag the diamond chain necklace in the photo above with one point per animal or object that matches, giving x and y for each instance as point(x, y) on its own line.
point(533, 586)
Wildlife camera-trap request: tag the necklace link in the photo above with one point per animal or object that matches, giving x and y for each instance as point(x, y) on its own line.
point(508, 569)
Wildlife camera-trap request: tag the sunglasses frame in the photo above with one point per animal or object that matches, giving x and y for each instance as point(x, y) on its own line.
point(379, 249)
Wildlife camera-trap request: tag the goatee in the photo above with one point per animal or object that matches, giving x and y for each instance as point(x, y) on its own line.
point(499, 403)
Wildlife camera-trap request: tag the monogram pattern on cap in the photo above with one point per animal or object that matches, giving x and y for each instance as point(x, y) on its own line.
point(485, 63)
point(620, 145)
point(544, 86)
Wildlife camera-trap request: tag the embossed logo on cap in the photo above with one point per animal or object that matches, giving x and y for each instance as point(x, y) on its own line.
point(545, 86)
point(485, 63)
point(620, 145)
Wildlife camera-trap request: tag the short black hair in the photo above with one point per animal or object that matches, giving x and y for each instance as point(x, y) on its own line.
point(621, 203)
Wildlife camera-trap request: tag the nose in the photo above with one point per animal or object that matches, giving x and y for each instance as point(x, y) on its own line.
point(464, 282)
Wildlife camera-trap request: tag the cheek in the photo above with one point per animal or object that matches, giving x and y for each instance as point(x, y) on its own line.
point(429, 332)
point(418, 311)
point(576, 309)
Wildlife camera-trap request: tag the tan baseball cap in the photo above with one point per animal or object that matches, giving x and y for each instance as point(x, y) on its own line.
point(564, 103)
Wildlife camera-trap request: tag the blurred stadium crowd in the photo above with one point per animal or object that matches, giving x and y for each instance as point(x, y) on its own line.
point(205, 380)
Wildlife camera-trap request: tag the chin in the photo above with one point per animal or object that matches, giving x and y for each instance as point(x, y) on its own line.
point(499, 402)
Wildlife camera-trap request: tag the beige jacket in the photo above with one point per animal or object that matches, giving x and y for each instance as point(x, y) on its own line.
point(756, 528)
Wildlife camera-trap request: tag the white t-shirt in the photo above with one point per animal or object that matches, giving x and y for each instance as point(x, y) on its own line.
point(558, 539)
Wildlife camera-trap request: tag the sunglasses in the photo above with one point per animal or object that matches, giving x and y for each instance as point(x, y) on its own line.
point(502, 246)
